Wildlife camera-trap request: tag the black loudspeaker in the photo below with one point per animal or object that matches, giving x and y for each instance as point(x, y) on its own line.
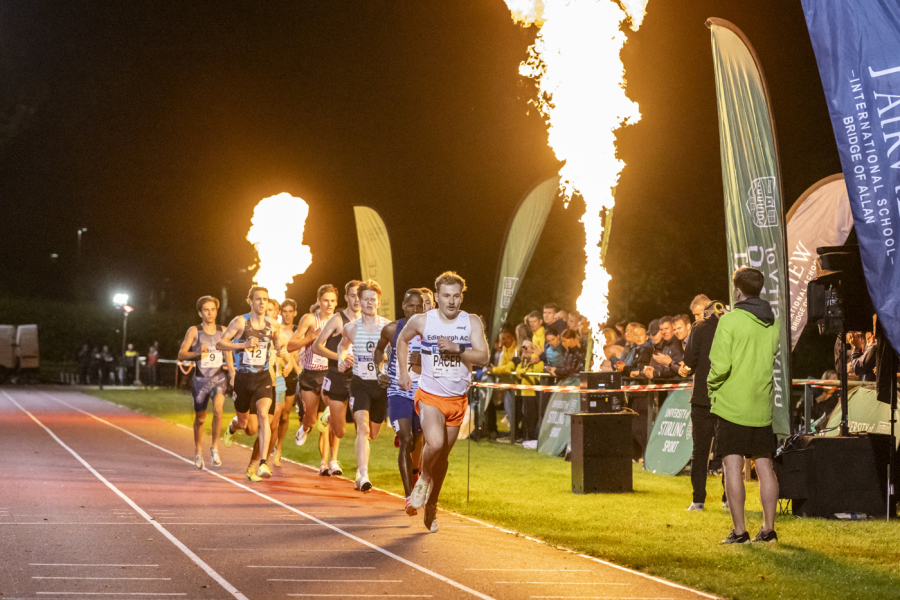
point(602, 401)
point(838, 299)
point(601, 453)
point(827, 475)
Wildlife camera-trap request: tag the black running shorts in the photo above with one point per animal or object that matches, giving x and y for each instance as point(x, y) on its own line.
point(251, 387)
point(311, 381)
point(368, 395)
point(749, 442)
point(336, 385)
point(290, 382)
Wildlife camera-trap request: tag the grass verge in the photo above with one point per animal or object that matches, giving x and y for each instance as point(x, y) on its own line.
point(648, 530)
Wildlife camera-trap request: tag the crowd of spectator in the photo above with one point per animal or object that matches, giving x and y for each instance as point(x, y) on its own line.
point(99, 366)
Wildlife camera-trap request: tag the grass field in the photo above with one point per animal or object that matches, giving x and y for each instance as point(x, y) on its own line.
point(648, 530)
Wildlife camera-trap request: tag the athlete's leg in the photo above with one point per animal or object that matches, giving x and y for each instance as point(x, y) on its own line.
point(218, 407)
point(361, 418)
point(337, 422)
point(262, 414)
point(199, 419)
point(404, 457)
point(284, 420)
point(418, 446)
point(374, 429)
point(274, 421)
point(310, 408)
point(434, 430)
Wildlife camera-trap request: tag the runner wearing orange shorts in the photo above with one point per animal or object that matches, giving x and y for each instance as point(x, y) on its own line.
point(452, 343)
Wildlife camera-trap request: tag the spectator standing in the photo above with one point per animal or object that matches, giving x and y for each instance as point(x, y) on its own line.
point(84, 364)
point(131, 357)
point(153, 364)
point(530, 363)
point(537, 329)
point(504, 365)
point(698, 306)
point(106, 365)
point(552, 320)
point(573, 359)
point(703, 423)
point(741, 394)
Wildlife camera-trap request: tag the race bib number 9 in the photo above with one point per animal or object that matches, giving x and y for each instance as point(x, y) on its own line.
point(366, 368)
point(212, 359)
point(448, 366)
point(256, 357)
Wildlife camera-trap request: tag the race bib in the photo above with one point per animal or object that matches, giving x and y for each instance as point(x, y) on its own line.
point(448, 366)
point(256, 357)
point(326, 384)
point(212, 359)
point(366, 369)
point(319, 361)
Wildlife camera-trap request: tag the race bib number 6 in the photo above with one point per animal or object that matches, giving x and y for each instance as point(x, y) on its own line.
point(366, 368)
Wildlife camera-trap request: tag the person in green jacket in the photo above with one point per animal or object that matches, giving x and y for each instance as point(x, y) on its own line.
point(741, 392)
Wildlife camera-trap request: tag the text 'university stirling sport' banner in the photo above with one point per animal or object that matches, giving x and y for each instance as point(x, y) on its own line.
point(820, 217)
point(375, 256)
point(521, 239)
point(857, 45)
point(751, 178)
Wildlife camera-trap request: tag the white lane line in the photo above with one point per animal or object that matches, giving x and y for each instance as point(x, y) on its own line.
point(340, 580)
point(197, 560)
point(535, 570)
point(118, 523)
point(388, 553)
point(562, 582)
point(85, 565)
point(609, 597)
point(110, 594)
point(300, 567)
point(279, 550)
point(111, 578)
point(361, 595)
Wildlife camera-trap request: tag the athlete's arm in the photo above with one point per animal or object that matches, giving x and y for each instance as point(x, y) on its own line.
point(349, 334)
point(234, 328)
point(331, 328)
point(184, 353)
point(387, 334)
point(305, 334)
point(478, 355)
point(413, 327)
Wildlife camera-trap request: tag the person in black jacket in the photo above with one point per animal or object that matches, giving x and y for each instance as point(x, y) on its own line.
point(703, 423)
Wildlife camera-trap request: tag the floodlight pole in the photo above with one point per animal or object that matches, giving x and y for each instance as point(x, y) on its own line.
point(124, 330)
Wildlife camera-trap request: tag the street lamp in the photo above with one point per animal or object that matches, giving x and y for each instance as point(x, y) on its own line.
point(121, 301)
point(80, 231)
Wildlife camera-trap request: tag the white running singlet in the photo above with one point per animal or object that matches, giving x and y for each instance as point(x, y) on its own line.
point(445, 375)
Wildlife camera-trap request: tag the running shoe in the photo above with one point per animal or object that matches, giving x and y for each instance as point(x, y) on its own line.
point(431, 518)
point(323, 470)
point(264, 471)
point(300, 438)
point(362, 483)
point(227, 435)
point(771, 536)
point(276, 460)
point(214, 455)
point(198, 461)
point(410, 509)
point(695, 506)
point(334, 468)
point(419, 494)
point(734, 538)
point(322, 422)
point(251, 474)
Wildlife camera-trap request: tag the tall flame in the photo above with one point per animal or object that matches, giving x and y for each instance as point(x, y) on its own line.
point(581, 92)
point(277, 229)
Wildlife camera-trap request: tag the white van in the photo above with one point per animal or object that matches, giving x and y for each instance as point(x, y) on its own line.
point(27, 346)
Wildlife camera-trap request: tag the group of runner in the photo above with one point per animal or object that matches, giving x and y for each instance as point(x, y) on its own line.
point(335, 361)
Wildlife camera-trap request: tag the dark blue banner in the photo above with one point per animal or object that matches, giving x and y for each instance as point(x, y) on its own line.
point(857, 45)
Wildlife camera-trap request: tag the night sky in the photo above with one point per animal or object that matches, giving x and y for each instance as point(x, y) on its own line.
point(159, 126)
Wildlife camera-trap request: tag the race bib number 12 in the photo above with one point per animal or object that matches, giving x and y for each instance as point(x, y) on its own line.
point(256, 357)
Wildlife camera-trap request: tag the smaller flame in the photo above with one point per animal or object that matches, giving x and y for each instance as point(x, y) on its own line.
point(636, 10)
point(281, 257)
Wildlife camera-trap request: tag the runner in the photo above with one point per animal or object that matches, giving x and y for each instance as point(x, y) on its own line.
point(429, 298)
point(401, 405)
point(368, 399)
point(251, 337)
point(452, 343)
point(210, 380)
point(314, 366)
point(278, 368)
point(336, 385)
point(288, 312)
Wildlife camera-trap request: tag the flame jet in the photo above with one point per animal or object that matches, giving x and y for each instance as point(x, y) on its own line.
point(281, 258)
point(580, 79)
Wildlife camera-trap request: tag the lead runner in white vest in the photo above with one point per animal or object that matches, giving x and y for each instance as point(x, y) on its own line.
point(452, 343)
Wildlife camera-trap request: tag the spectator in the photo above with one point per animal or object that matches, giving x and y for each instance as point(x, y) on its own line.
point(523, 332)
point(621, 326)
point(642, 352)
point(530, 363)
point(698, 306)
point(131, 357)
point(640, 402)
point(667, 352)
point(628, 348)
point(537, 329)
point(862, 357)
point(84, 364)
point(742, 395)
point(96, 366)
point(554, 353)
point(106, 365)
point(682, 329)
point(552, 321)
point(504, 365)
point(563, 315)
point(825, 402)
point(573, 360)
point(153, 364)
point(612, 352)
point(703, 423)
